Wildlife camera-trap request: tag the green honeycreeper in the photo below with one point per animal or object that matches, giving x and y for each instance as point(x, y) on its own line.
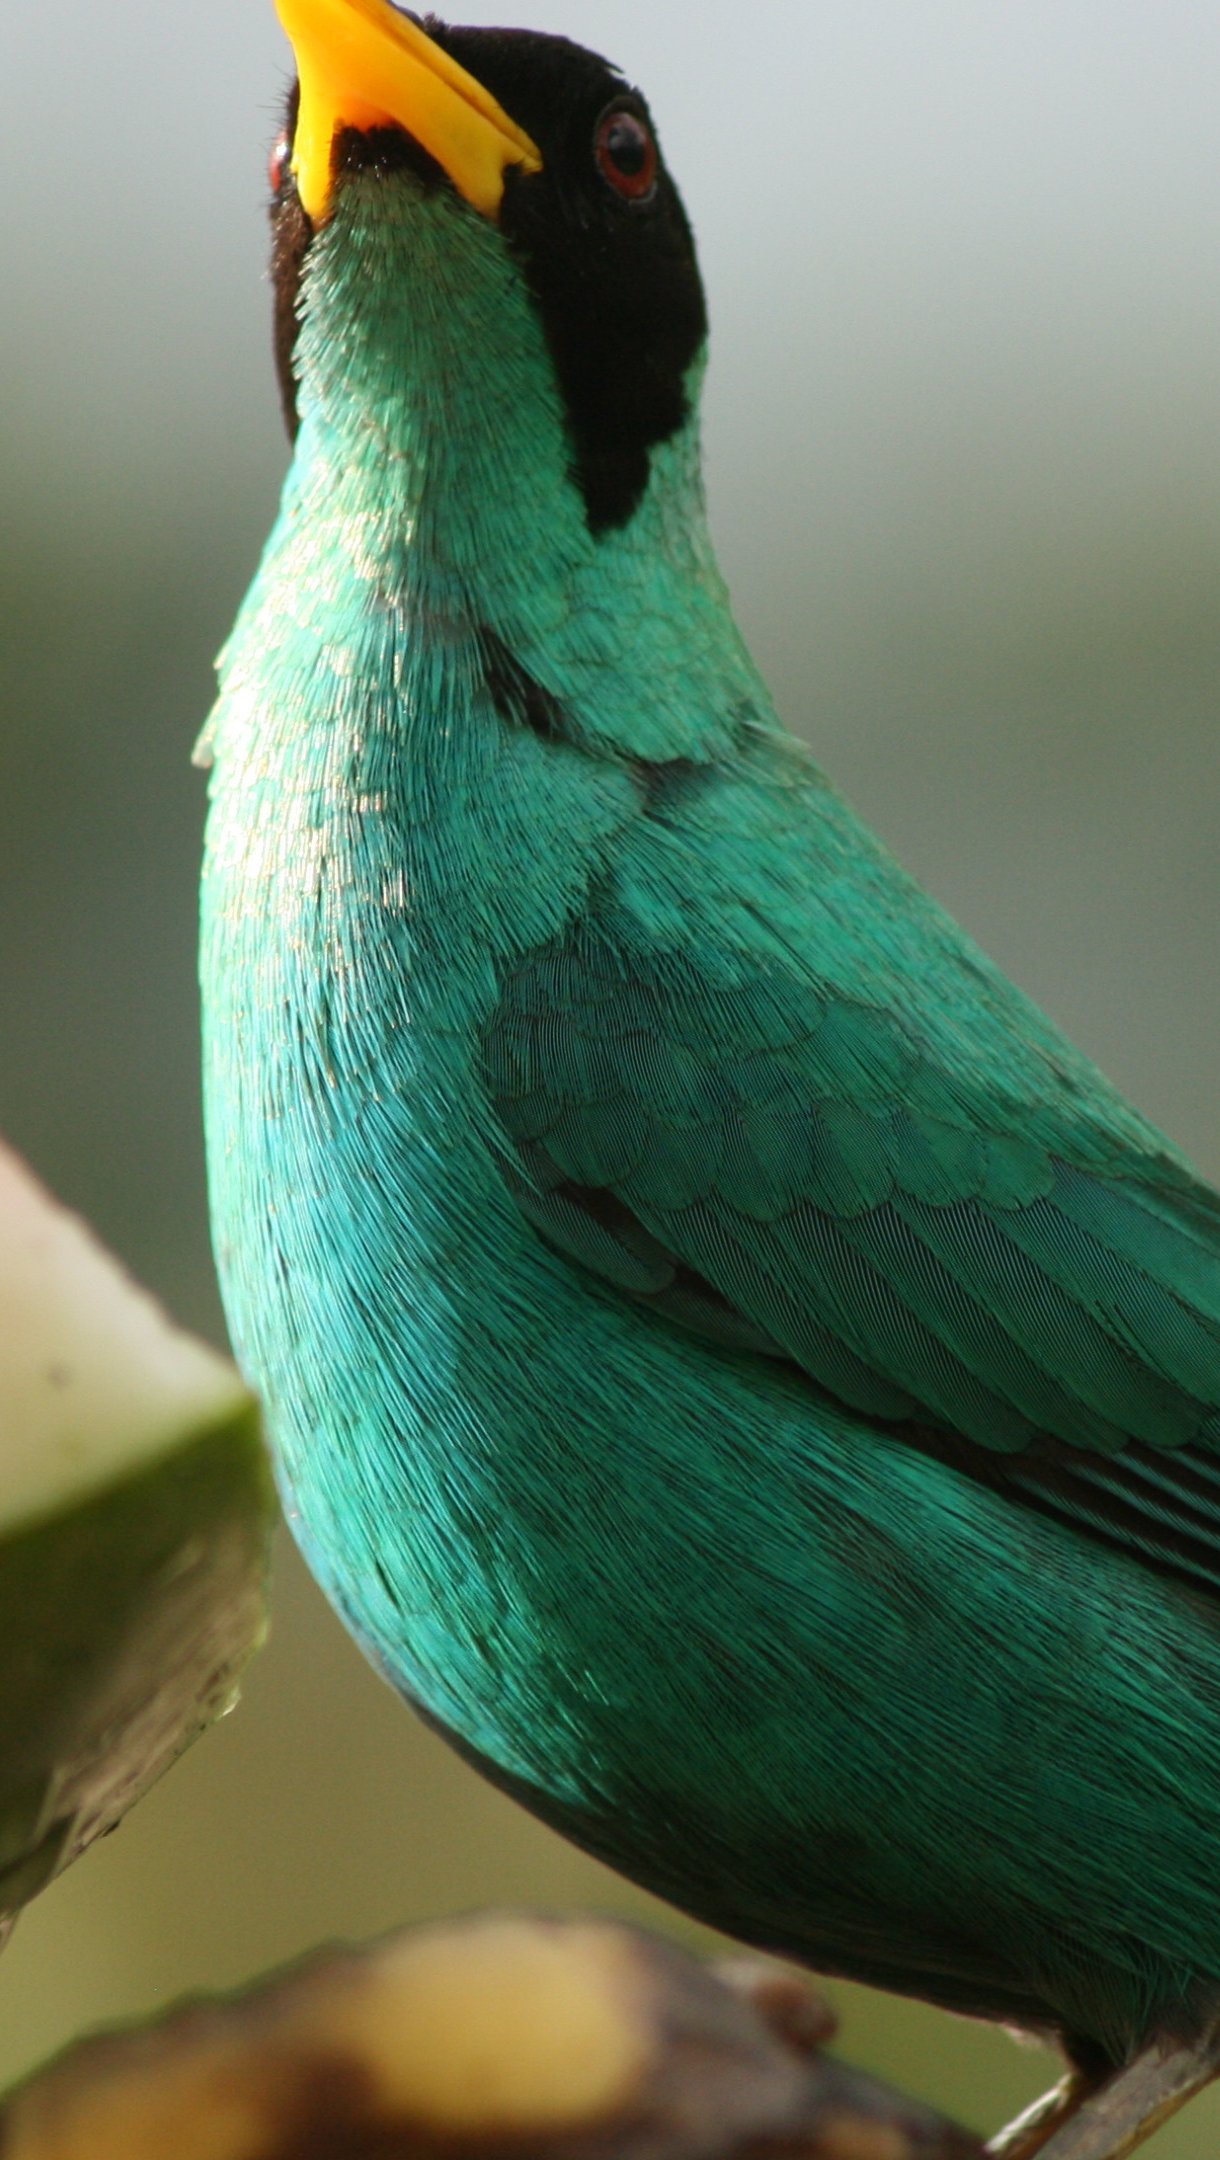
point(737, 1369)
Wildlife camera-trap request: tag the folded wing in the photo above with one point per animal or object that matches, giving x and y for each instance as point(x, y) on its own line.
point(805, 1117)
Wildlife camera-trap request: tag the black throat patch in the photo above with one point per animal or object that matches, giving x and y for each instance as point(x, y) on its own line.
point(615, 280)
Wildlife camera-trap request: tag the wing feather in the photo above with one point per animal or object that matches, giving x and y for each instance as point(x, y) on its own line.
point(848, 1141)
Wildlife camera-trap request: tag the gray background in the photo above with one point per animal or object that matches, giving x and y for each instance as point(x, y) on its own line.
point(965, 474)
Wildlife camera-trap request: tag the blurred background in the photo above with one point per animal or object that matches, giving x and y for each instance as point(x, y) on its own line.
point(965, 471)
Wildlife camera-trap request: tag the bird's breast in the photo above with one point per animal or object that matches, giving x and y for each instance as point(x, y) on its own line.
point(382, 1290)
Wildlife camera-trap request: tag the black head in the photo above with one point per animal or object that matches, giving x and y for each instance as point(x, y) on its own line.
point(600, 234)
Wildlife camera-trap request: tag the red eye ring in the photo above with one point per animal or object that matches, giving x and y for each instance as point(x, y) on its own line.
point(627, 155)
point(277, 164)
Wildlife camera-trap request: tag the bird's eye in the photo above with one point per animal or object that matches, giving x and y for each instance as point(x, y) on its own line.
point(277, 164)
point(627, 155)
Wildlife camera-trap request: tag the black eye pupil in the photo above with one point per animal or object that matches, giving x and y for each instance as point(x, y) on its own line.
point(627, 155)
point(627, 146)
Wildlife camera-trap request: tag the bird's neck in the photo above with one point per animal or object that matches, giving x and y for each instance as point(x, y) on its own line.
point(432, 504)
point(443, 687)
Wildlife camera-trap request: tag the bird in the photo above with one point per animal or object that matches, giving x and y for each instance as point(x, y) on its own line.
point(741, 1374)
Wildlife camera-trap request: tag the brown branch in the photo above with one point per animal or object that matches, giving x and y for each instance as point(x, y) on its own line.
point(492, 2039)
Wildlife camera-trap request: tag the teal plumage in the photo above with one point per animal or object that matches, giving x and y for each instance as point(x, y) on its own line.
point(736, 1367)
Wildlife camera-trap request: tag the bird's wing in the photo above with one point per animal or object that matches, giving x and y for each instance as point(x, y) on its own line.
point(767, 1086)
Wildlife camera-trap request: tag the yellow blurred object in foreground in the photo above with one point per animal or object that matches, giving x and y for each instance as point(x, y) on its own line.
point(552, 2040)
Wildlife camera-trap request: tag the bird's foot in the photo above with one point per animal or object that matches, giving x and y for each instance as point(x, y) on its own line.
point(1031, 2131)
point(1080, 2121)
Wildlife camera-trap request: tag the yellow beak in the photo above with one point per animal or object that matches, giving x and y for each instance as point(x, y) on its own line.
point(364, 64)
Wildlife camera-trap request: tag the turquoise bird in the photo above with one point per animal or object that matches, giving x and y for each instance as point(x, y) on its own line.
point(736, 1368)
